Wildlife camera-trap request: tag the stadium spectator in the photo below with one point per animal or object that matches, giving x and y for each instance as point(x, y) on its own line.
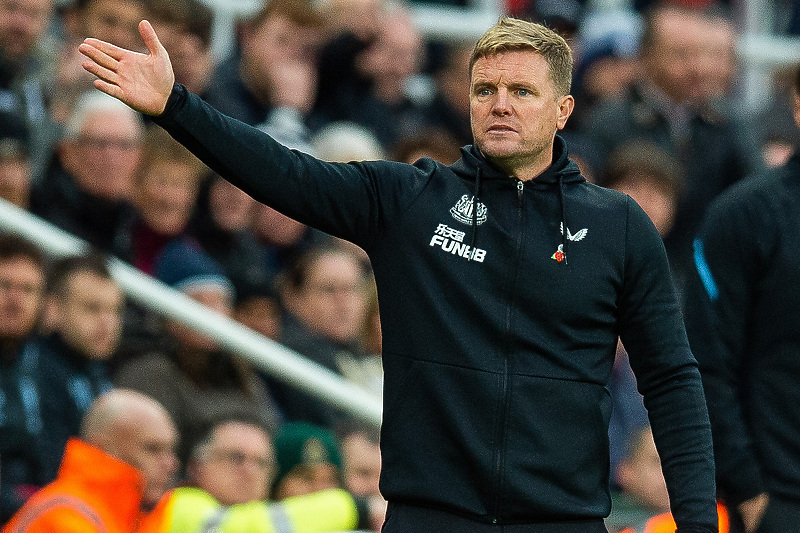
point(229, 473)
point(653, 178)
point(164, 194)
point(283, 239)
point(325, 295)
point(223, 224)
point(88, 186)
point(308, 460)
point(741, 318)
point(345, 141)
point(365, 81)
point(21, 290)
point(272, 81)
point(430, 142)
point(186, 26)
point(15, 172)
point(361, 460)
point(195, 380)
point(648, 174)
point(165, 188)
point(112, 21)
point(83, 315)
point(259, 308)
point(449, 107)
point(672, 107)
point(27, 66)
point(234, 462)
point(117, 470)
point(606, 65)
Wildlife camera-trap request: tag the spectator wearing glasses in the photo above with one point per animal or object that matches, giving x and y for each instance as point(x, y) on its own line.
point(89, 183)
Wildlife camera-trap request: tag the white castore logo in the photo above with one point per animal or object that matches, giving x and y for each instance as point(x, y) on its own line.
point(579, 236)
point(462, 211)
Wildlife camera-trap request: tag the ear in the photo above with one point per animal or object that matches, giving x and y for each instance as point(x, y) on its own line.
point(51, 314)
point(68, 153)
point(565, 106)
point(796, 107)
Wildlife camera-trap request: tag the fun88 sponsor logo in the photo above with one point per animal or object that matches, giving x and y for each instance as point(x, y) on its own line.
point(452, 241)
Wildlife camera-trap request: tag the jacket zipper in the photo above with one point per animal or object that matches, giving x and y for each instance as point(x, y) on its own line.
point(504, 389)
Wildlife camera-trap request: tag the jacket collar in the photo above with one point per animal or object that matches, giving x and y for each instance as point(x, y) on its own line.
point(110, 481)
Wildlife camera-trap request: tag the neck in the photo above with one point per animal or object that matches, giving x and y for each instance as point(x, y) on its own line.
point(9, 349)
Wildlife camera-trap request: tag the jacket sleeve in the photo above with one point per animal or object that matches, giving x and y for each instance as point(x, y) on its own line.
point(727, 255)
point(347, 200)
point(653, 333)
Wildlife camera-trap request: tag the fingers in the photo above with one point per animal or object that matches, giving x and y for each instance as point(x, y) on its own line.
point(107, 48)
point(150, 38)
point(99, 57)
point(101, 72)
point(108, 88)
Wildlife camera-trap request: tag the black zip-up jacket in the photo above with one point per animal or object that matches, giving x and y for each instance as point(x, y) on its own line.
point(744, 317)
point(499, 330)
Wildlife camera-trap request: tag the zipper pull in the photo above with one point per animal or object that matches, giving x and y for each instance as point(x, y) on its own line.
point(520, 187)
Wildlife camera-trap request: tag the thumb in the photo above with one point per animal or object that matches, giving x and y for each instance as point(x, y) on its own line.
point(150, 38)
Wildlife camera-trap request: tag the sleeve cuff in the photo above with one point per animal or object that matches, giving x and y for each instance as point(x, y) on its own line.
point(175, 101)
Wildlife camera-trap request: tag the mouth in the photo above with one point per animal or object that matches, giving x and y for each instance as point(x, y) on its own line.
point(501, 128)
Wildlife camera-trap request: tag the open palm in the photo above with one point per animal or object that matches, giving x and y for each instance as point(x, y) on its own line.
point(142, 81)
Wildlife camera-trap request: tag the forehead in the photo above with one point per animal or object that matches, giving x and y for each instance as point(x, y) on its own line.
point(673, 26)
point(89, 284)
point(20, 265)
point(154, 429)
point(334, 266)
point(515, 66)
point(240, 435)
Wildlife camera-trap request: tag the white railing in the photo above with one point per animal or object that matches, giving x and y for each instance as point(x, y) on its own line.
point(275, 359)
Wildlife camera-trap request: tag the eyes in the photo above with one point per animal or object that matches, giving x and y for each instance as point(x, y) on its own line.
point(522, 92)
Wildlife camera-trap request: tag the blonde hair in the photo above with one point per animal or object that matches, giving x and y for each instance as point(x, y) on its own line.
point(511, 34)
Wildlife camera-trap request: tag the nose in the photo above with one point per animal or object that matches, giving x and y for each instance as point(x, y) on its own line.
point(502, 103)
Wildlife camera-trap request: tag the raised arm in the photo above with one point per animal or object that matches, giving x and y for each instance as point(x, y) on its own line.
point(142, 81)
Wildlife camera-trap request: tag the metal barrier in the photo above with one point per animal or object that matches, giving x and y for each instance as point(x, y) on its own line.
point(277, 360)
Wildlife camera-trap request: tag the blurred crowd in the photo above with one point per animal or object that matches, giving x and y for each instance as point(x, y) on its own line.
point(658, 116)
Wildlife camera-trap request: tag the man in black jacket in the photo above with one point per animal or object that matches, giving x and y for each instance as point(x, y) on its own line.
point(83, 310)
point(21, 288)
point(742, 321)
point(504, 282)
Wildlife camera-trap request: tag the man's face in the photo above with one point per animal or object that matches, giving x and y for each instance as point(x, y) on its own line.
point(308, 478)
point(115, 21)
point(333, 300)
point(362, 465)
point(15, 181)
point(515, 111)
point(237, 466)
point(165, 196)
point(89, 315)
point(104, 156)
point(147, 441)
point(21, 284)
point(22, 23)
point(671, 62)
point(231, 208)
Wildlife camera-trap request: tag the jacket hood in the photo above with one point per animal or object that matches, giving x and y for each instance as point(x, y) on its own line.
point(562, 168)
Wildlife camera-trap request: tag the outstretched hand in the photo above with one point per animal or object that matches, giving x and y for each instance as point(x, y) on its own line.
point(142, 81)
